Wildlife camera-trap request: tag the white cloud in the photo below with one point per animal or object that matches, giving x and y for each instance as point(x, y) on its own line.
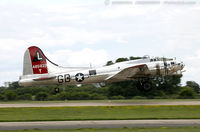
point(84, 57)
point(195, 56)
point(11, 51)
point(192, 66)
point(128, 11)
point(94, 33)
point(9, 76)
point(87, 57)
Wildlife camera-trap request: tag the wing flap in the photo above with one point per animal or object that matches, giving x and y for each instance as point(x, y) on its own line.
point(130, 72)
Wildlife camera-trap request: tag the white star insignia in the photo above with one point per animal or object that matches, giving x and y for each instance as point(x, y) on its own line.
point(79, 77)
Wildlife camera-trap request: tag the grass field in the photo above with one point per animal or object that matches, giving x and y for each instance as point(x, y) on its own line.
point(99, 113)
point(162, 129)
point(100, 101)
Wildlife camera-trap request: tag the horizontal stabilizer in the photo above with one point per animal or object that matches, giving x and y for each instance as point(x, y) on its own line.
point(44, 78)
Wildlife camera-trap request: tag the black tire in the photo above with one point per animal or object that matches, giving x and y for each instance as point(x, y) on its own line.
point(144, 86)
point(147, 86)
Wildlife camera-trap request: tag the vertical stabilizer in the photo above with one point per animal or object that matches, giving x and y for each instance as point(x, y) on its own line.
point(35, 61)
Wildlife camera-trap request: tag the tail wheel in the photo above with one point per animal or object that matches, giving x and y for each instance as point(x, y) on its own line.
point(56, 90)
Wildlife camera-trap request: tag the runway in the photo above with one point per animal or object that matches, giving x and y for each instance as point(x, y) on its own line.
point(106, 103)
point(97, 124)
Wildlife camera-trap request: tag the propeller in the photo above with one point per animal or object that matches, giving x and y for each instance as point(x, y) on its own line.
point(165, 65)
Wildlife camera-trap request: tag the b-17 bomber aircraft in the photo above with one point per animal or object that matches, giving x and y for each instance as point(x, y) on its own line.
point(39, 70)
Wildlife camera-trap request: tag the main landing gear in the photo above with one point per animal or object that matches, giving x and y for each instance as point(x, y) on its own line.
point(144, 85)
point(56, 90)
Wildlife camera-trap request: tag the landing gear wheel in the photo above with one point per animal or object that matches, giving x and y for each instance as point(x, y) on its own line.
point(160, 83)
point(147, 86)
point(144, 85)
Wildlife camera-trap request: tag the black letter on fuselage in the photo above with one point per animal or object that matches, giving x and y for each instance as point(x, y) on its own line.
point(60, 79)
point(67, 77)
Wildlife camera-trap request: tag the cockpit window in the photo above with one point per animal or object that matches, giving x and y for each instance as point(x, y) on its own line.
point(162, 59)
point(92, 72)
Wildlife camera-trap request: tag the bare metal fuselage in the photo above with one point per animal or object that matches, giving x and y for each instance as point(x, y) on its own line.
point(141, 68)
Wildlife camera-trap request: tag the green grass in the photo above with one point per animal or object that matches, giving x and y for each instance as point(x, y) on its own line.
point(161, 129)
point(100, 101)
point(99, 113)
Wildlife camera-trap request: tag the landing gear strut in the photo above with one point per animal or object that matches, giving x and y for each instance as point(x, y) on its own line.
point(144, 85)
point(56, 90)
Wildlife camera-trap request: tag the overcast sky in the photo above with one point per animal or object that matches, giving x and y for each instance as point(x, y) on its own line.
point(80, 32)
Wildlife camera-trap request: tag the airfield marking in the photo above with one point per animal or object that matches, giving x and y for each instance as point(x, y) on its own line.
point(98, 124)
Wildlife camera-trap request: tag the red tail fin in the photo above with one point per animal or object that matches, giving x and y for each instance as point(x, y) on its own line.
point(38, 59)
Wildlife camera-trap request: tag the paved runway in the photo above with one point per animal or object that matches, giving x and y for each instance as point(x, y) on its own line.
point(97, 124)
point(106, 103)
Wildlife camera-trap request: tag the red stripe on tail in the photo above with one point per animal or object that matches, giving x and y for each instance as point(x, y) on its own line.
point(38, 59)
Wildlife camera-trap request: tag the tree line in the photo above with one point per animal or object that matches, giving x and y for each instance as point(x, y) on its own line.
point(170, 88)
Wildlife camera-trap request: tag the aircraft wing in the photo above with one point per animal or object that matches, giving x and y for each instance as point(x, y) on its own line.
point(130, 73)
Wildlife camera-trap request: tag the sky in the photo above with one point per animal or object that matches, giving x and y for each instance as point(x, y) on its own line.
point(84, 32)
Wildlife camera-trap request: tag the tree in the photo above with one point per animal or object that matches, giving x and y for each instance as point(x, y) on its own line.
point(14, 85)
point(171, 84)
point(109, 63)
point(96, 96)
point(2, 97)
point(193, 85)
point(2, 90)
point(187, 93)
point(10, 95)
point(80, 96)
point(41, 96)
point(121, 60)
point(134, 58)
point(63, 96)
point(23, 91)
point(25, 97)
